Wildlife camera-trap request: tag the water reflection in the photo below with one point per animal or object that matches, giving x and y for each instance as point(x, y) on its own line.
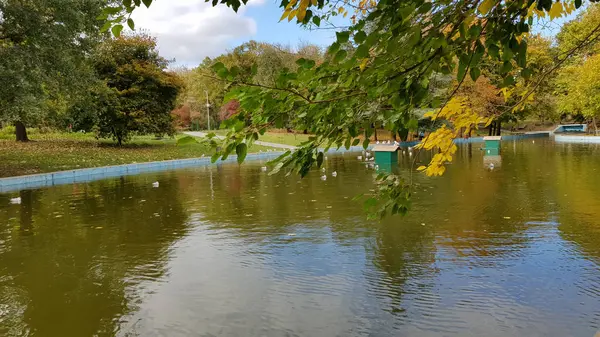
point(75, 260)
point(230, 251)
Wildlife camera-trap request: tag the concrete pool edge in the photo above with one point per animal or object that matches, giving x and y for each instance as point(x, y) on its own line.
point(577, 139)
point(97, 173)
point(84, 175)
point(9, 184)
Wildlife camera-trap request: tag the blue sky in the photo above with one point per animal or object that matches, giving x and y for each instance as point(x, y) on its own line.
point(284, 32)
point(190, 30)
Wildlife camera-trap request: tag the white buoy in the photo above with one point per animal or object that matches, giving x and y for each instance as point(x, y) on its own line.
point(491, 166)
point(403, 152)
point(359, 157)
point(377, 167)
point(377, 143)
point(323, 169)
point(323, 177)
point(334, 174)
point(15, 201)
point(410, 154)
point(264, 169)
point(533, 141)
point(325, 157)
point(155, 184)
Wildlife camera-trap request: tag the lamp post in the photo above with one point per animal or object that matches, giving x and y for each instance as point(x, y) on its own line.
point(207, 109)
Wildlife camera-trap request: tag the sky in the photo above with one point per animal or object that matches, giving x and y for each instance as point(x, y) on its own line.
point(190, 30)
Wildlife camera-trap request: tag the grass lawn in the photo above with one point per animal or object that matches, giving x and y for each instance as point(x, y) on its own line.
point(276, 137)
point(49, 152)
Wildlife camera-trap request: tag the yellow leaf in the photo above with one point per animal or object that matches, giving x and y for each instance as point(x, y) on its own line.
point(292, 15)
point(363, 64)
point(556, 10)
point(291, 4)
point(345, 14)
point(285, 14)
point(486, 6)
point(313, 2)
point(421, 168)
point(340, 10)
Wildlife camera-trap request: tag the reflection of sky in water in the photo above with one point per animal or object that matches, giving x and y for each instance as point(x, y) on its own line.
point(231, 251)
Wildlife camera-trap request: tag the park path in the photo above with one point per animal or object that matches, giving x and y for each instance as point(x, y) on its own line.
point(257, 142)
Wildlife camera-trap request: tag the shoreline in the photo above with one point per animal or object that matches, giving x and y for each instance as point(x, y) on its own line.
point(16, 183)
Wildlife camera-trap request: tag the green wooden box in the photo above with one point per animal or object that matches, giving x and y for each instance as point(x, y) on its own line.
point(492, 145)
point(386, 155)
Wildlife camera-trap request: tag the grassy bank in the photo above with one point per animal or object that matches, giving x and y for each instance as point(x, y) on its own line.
point(48, 152)
point(286, 138)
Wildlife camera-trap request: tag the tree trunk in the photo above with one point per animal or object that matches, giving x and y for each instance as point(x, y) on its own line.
point(491, 130)
point(498, 128)
point(374, 131)
point(595, 126)
point(21, 132)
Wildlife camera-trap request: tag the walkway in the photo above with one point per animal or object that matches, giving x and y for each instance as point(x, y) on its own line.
point(257, 142)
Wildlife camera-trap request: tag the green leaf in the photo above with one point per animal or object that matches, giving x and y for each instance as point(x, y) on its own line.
point(355, 142)
point(342, 37)
point(362, 52)
point(475, 73)
point(116, 30)
point(131, 24)
point(506, 67)
point(276, 169)
point(340, 55)
point(147, 3)
point(415, 37)
point(578, 3)
point(186, 140)
point(333, 48)
point(316, 20)
point(360, 36)
point(366, 143)
point(370, 203)
point(241, 150)
point(106, 26)
point(214, 157)
point(319, 159)
point(112, 10)
point(493, 51)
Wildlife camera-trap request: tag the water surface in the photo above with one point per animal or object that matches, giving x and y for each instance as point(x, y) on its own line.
point(230, 251)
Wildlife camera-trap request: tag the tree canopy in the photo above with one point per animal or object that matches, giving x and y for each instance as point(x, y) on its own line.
point(43, 49)
point(136, 93)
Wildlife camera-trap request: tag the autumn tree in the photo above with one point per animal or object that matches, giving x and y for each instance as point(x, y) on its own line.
point(137, 93)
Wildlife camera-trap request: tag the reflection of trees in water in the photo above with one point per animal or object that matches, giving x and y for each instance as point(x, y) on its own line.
point(578, 169)
point(403, 251)
point(257, 206)
point(71, 267)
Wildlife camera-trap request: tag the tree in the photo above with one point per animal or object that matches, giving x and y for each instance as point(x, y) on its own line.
point(581, 84)
point(378, 71)
point(43, 49)
point(137, 94)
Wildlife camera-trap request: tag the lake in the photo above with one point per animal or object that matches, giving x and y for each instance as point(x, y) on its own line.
point(228, 250)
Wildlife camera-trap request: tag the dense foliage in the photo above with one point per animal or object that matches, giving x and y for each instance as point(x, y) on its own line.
point(136, 93)
point(43, 48)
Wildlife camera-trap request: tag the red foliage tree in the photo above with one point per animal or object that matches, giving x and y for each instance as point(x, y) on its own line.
point(229, 109)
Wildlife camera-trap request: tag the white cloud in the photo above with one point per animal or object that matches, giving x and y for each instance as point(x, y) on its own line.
point(190, 30)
